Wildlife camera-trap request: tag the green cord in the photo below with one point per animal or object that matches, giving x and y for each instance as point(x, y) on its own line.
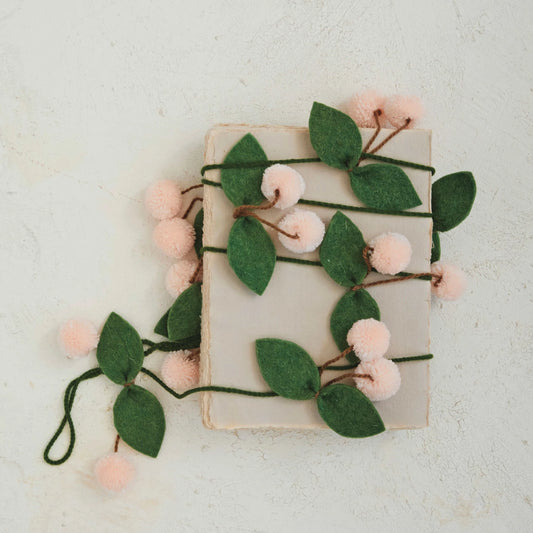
point(68, 401)
point(394, 359)
point(264, 164)
point(213, 388)
point(346, 207)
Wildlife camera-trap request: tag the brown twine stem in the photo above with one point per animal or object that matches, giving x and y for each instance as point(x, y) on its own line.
point(364, 376)
point(393, 134)
point(191, 188)
point(377, 114)
point(366, 259)
point(273, 226)
point(391, 280)
point(196, 270)
point(193, 201)
point(338, 378)
point(117, 440)
point(344, 353)
point(242, 210)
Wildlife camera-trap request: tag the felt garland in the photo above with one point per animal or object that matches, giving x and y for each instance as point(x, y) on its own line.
point(288, 369)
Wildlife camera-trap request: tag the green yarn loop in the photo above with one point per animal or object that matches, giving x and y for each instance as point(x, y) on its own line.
point(68, 402)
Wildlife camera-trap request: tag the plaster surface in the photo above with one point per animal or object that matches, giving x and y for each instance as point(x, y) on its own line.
point(98, 99)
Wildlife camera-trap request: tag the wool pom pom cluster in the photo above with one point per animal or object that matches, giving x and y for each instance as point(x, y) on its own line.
point(180, 370)
point(77, 338)
point(114, 472)
point(390, 253)
point(449, 281)
point(376, 377)
point(284, 180)
point(396, 110)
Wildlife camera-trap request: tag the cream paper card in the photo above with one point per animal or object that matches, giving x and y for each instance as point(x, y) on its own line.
point(299, 299)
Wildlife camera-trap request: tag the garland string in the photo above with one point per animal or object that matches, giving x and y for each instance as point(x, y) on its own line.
point(425, 276)
point(68, 401)
point(346, 207)
point(267, 163)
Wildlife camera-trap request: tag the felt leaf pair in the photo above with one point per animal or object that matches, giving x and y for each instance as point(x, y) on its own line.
point(341, 255)
point(337, 141)
point(137, 413)
point(291, 372)
point(251, 252)
point(452, 198)
point(182, 322)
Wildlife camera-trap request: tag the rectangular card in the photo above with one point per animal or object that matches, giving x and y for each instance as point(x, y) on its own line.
point(299, 299)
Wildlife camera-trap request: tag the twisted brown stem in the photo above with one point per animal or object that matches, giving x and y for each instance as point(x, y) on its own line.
point(389, 137)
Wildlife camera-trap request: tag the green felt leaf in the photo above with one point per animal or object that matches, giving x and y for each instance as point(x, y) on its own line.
point(452, 197)
point(120, 351)
point(199, 231)
point(353, 306)
point(243, 185)
point(287, 368)
point(384, 186)
point(341, 252)
point(161, 328)
point(184, 317)
point(251, 253)
point(435, 247)
point(139, 420)
point(335, 137)
point(348, 412)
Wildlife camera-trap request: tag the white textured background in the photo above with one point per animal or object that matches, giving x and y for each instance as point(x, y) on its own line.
point(99, 98)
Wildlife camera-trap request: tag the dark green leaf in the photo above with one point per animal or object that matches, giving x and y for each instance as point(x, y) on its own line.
point(335, 137)
point(243, 185)
point(139, 420)
point(251, 253)
point(348, 412)
point(120, 351)
point(341, 252)
point(384, 186)
point(287, 368)
point(199, 231)
point(452, 197)
point(353, 306)
point(435, 247)
point(184, 317)
point(161, 328)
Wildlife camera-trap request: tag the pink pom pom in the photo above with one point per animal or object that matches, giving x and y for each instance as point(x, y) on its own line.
point(385, 379)
point(77, 338)
point(391, 253)
point(449, 281)
point(370, 339)
point(180, 370)
point(362, 106)
point(179, 276)
point(400, 108)
point(163, 199)
point(174, 237)
point(114, 472)
point(287, 181)
point(309, 228)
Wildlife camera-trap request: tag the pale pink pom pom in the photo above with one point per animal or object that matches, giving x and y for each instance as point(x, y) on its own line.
point(385, 382)
point(179, 276)
point(77, 338)
point(391, 253)
point(174, 237)
point(400, 108)
point(362, 106)
point(309, 228)
point(287, 181)
point(180, 370)
point(114, 472)
point(370, 339)
point(163, 199)
point(449, 281)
